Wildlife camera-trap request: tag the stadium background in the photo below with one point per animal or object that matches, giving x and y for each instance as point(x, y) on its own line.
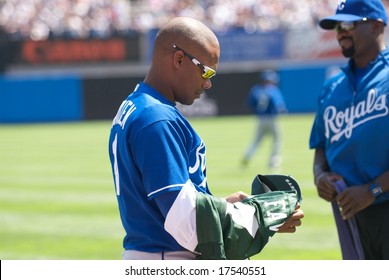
point(65, 60)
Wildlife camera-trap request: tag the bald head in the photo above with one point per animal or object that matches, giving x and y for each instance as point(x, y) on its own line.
point(185, 32)
point(177, 73)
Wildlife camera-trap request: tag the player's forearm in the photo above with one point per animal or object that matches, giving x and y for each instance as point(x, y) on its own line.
point(320, 164)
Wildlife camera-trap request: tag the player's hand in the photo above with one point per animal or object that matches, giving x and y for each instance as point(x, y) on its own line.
point(325, 187)
point(294, 221)
point(236, 197)
point(354, 199)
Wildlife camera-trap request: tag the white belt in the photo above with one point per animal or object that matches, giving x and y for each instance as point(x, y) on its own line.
point(176, 255)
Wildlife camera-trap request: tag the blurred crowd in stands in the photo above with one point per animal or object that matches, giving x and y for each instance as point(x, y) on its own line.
point(42, 19)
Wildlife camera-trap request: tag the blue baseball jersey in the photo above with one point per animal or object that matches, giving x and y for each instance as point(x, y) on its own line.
point(352, 123)
point(266, 100)
point(153, 151)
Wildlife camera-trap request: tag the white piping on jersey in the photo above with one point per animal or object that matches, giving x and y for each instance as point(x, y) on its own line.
point(164, 188)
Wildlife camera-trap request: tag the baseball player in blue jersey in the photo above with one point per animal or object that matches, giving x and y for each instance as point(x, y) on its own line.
point(266, 101)
point(158, 159)
point(350, 133)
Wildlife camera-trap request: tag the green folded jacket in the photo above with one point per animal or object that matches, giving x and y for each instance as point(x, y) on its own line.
point(224, 231)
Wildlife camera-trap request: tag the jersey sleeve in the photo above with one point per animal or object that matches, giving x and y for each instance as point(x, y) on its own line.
point(317, 137)
point(159, 151)
point(251, 101)
point(279, 102)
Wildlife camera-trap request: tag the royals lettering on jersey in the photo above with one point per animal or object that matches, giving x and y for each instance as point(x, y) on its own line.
point(199, 165)
point(340, 123)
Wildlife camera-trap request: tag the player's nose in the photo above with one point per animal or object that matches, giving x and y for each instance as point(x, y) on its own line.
point(207, 84)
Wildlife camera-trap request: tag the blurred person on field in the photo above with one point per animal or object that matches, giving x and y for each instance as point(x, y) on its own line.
point(350, 133)
point(266, 101)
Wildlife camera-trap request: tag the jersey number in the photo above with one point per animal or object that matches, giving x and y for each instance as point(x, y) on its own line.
point(115, 164)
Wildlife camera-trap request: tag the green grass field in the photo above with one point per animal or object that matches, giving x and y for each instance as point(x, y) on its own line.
point(57, 199)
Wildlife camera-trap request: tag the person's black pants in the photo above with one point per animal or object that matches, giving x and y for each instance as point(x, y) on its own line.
point(373, 225)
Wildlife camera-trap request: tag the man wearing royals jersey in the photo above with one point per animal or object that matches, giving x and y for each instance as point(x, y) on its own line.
point(350, 133)
point(158, 159)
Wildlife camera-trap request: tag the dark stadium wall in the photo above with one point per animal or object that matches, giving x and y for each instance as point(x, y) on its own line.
point(102, 97)
point(300, 85)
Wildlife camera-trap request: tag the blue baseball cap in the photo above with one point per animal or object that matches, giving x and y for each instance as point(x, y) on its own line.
point(356, 10)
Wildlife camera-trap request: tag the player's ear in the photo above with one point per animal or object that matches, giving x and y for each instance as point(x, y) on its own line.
point(377, 27)
point(178, 57)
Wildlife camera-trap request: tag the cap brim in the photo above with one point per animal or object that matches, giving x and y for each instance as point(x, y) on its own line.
point(269, 183)
point(330, 22)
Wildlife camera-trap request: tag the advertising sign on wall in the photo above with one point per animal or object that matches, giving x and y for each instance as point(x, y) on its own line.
point(237, 45)
point(64, 51)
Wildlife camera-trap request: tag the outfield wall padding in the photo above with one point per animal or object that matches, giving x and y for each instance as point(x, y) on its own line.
point(40, 99)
